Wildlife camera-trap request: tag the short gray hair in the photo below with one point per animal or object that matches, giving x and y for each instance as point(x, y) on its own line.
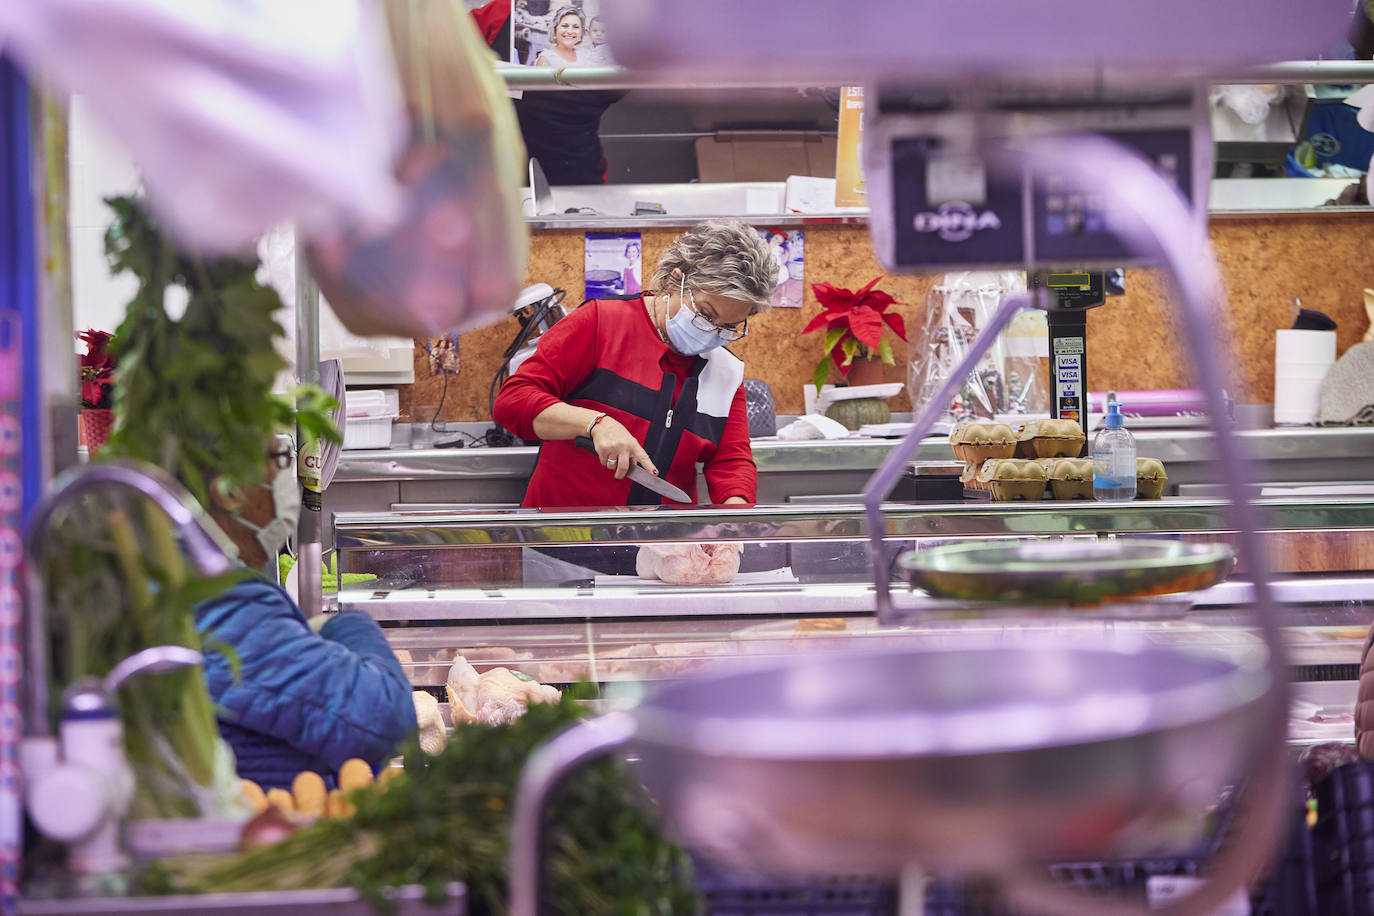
point(726, 257)
point(558, 17)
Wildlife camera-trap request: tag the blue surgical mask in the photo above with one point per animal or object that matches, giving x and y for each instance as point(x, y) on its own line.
point(685, 336)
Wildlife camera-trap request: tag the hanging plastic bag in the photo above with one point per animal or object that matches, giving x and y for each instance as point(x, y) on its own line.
point(241, 114)
point(277, 254)
point(456, 259)
point(1011, 379)
point(1251, 103)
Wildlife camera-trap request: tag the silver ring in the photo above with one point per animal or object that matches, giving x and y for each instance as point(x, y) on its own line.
point(612, 462)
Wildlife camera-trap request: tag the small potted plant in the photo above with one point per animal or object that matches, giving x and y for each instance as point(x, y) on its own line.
point(97, 388)
point(856, 332)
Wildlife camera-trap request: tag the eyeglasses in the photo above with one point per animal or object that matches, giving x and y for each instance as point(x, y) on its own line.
point(283, 453)
point(702, 323)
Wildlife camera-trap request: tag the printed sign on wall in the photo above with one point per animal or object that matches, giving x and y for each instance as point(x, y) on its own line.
point(850, 190)
point(612, 265)
point(788, 246)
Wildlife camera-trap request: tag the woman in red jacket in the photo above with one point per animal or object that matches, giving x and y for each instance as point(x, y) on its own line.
point(648, 380)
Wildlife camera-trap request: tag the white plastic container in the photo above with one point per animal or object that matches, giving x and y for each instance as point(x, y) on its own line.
point(1305, 346)
point(368, 432)
point(370, 415)
point(1301, 361)
point(1296, 401)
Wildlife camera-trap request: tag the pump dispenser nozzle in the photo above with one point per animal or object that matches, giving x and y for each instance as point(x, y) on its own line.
point(1114, 420)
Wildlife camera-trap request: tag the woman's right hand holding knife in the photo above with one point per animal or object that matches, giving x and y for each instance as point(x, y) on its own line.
point(617, 448)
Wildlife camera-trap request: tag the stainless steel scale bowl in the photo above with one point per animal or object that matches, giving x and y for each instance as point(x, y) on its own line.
point(956, 759)
point(1082, 573)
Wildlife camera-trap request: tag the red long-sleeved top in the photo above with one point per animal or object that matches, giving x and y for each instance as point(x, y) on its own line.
point(607, 356)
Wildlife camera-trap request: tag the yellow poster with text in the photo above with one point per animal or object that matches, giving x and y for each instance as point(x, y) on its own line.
point(850, 190)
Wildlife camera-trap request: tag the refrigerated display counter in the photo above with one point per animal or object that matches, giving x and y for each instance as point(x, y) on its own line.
point(555, 595)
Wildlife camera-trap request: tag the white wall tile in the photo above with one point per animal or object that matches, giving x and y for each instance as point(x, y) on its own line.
point(98, 298)
point(99, 168)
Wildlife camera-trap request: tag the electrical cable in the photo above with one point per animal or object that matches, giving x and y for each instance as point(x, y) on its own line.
point(539, 312)
point(443, 392)
point(495, 437)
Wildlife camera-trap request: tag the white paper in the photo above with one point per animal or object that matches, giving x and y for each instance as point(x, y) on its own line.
point(760, 200)
point(813, 426)
point(783, 576)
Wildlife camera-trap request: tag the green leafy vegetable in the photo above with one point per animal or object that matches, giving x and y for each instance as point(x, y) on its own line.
point(447, 818)
point(193, 396)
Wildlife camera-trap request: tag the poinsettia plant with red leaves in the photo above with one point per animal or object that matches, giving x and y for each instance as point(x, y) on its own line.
point(97, 370)
point(856, 326)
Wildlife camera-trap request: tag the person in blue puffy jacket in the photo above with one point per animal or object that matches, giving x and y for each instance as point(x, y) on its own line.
point(307, 694)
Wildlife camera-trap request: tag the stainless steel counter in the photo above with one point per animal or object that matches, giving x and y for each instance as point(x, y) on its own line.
point(1345, 453)
point(837, 522)
point(378, 481)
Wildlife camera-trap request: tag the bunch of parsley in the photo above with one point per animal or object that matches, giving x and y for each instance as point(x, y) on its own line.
point(194, 397)
point(447, 818)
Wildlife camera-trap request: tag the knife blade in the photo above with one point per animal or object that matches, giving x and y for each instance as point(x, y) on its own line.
point(643, 477)
point(658, 485)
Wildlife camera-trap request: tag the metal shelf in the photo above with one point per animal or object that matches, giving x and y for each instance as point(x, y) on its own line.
point(567, 78)
point(1350, 447)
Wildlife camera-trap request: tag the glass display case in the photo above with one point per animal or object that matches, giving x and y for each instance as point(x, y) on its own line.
point(558, 596)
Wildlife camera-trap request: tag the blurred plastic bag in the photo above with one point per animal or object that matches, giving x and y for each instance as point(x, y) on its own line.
point(689, 564)
point(457, 258)
point(813, 426)
point(1011, 379)
point(241, 114)
point(1250, 103)
point(277, 252)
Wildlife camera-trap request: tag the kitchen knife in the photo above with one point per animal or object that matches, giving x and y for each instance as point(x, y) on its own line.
point(643, 477)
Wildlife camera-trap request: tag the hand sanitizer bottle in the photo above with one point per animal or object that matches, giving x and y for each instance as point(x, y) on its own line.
point(1114, 458)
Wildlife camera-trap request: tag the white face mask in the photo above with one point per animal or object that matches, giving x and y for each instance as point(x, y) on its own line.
point(286, 502)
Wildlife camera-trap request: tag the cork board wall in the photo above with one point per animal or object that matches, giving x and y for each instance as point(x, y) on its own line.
point(1133, 341)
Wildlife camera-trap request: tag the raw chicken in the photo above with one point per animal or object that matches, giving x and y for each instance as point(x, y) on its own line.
point(433, 737)
point(495, 697)
point(461, 685)
point(501, 697)
point(689, 564)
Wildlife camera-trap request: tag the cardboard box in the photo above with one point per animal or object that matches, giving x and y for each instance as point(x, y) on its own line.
point(764, 155)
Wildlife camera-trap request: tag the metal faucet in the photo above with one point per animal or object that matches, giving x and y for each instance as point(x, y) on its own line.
point(207, 547)
point(77, 788)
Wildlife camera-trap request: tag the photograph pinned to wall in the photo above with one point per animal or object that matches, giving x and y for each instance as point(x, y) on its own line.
point(789, 250)
point(443, 354)
point(612, 264)
point(558, 33)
